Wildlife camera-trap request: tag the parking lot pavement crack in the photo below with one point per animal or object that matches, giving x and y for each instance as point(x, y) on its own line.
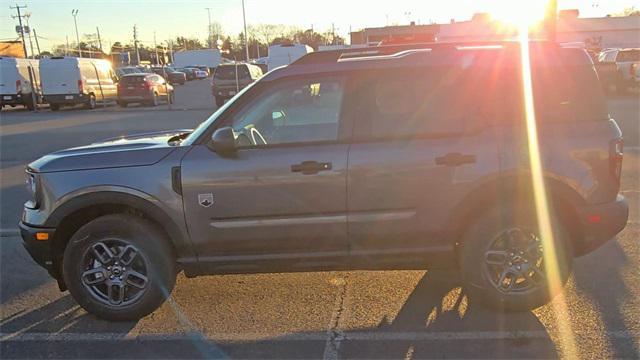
point(334, 333)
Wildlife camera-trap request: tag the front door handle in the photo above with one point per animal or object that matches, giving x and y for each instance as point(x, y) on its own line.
point(311, 167)
point(455, 159)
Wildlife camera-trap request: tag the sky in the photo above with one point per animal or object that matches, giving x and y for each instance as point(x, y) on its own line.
point(53, 21)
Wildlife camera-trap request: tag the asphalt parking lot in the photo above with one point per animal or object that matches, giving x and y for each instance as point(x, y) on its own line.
point(395, 314)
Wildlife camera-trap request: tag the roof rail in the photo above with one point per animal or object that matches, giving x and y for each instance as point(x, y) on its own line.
point(397, 51)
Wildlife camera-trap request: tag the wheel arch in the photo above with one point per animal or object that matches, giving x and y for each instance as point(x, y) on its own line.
point(507, 189)
point(83, 208)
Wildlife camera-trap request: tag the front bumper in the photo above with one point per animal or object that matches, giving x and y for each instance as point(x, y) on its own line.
point(602, 223)
point(40, 250)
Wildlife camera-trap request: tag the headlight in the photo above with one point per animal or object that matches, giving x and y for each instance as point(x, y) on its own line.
point(32, 189)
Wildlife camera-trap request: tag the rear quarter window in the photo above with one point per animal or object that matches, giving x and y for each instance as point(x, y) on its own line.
point(628, 55)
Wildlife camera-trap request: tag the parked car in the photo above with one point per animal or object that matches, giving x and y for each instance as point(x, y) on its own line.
point(204, 68)
point(225, 84)
point(147, 89)
point(174, 77)
point(390, 158)
point(190, 73)
point(16, 76)
point(199, 74)
point(626, 62)
point(72, 81)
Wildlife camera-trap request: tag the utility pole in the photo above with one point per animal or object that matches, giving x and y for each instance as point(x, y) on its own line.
point(27, 16)
point(66, 49)
point(35, 35)
point(246, 40)
point(135, 44)
point(74, 13)
point(155, 45)
point(209, 39)
point(24, 45)
point(99, 39)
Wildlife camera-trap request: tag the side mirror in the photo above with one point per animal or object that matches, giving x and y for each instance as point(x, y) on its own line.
point(223, 140)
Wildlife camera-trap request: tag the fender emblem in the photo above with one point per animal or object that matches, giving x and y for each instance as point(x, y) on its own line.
point(205, 200)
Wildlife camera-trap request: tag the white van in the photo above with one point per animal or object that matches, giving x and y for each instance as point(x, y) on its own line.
point(281, 55)
point(71, 81)
point(15, 82)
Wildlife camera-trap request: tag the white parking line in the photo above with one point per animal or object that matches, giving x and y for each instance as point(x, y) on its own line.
point(353, 336)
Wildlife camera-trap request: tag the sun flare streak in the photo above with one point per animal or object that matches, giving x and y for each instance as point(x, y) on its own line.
point(551, 264)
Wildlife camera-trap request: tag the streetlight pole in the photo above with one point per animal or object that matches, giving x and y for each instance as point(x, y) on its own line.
point(74, 13)
point(210, 40)
point(246, 40)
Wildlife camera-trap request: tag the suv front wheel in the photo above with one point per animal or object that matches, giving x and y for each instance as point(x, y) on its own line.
point(505, 264)
point(119, 267)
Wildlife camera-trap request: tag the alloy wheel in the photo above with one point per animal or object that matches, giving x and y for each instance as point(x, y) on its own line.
point(115, 272)
point(514, 262)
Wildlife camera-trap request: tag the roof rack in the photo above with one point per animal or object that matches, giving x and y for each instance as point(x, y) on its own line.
point(388, 52)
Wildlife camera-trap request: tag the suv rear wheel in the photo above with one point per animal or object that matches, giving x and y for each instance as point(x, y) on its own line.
point(119, 267)
point(503, 262)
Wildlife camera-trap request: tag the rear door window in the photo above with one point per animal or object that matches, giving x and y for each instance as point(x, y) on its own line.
point(426, 102)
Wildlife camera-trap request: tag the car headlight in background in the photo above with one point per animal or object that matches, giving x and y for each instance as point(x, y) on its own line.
point(32, 189)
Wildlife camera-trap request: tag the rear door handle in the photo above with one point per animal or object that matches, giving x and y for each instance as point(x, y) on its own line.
point(311, 167)
point(455, 159)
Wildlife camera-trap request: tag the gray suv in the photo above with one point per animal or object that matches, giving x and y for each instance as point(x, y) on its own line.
point(395, 157)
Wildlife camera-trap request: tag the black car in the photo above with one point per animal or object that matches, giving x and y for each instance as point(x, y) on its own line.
point(189, 73)
point(174, 77)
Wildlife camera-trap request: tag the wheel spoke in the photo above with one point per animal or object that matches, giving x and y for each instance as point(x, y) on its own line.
point(94, 277)
point(136, 279)
point(116, 294)
point(102, 253)
point(496, 257)
point(128, 255)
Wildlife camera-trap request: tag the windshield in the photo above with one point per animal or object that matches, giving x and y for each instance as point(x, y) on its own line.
point(207, 123)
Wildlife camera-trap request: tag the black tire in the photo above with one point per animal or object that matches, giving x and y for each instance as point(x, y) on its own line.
point(219, 101)
point(480, 277)
point(123, 104)
point(54, 107)
point(152, 249)
point(91, 102)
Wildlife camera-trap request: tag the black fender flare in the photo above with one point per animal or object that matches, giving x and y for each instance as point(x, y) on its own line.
point(141, 203)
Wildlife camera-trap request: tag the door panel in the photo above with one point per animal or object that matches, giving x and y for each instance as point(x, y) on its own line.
point(261, 206)
point(421, 147)
point(400, 198)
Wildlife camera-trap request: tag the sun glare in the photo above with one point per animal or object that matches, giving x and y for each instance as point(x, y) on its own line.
point(543, 213)
point(519, 13)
